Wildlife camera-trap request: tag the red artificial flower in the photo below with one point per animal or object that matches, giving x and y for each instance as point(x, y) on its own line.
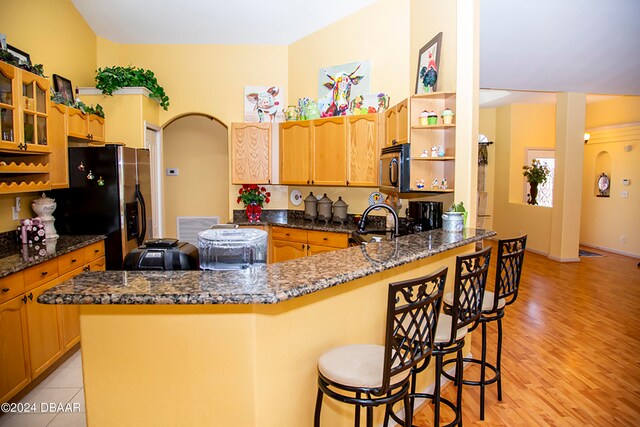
point(268, 194)
point(267, 200)
point(263, 189)
point(238, 200)
point(241, 190)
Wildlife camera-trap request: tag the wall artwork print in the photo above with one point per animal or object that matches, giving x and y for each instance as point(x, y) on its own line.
point(340, 84)
point(428, 66)
point(263, 104)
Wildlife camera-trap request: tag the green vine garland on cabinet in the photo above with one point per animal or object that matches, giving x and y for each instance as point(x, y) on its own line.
point(110, 79)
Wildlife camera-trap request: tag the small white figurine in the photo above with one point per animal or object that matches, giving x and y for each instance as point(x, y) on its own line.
point(440, 151)
point(434, 184)
point(420, 183)
point(425, 153)
point(444, 184)
point(434, 151)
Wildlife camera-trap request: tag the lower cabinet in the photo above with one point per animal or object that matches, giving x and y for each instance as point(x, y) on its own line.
point(292, 243)
point(34, 336)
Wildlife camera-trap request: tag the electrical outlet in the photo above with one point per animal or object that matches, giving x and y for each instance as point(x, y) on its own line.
point(624, 194)
point(15, 210)
point(623, 239)
point(173, 171)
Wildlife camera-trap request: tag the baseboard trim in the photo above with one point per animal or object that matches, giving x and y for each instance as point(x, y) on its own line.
point(554, 258)
point(613, 251)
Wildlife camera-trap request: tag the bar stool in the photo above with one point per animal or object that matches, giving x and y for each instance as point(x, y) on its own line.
point(508, 272)
point(461, 317)
point(372, 375)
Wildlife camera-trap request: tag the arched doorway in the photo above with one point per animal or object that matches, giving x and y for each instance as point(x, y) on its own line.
point(196, 162)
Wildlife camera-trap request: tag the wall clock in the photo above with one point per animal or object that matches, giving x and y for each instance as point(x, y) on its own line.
point(603, 185)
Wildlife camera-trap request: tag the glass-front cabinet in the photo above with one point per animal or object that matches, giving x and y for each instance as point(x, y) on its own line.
point(8, 107)
point(34, 106)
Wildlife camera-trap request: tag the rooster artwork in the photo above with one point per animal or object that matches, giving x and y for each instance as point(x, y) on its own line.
point(429, 74)
point(429, 66)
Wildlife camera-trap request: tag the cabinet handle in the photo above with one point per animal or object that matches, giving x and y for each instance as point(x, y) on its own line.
point(287, 234)
point(268, 181)
point(308, 247)
point(96, 251)
point(73, 260)
point(303, 246)
point(24, 299)
point(22, 146)
point(324, 238)
point(347, 182)
point(307, 181)
point(44, 273)
point(394, 142)
point(86, 268)
point(31, 296)
point(312, 181)
point(6, 289)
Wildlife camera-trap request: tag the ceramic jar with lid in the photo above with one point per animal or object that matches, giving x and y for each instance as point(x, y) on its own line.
point(311, 207)
point(44, 208)
point(340, 211)
point(324, 208)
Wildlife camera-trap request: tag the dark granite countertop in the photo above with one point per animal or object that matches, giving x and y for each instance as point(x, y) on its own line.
point(14, 257)
point(295, 219)
point(268, 284)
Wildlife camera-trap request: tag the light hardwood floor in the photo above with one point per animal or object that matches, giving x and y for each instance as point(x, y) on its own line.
point(571, 349)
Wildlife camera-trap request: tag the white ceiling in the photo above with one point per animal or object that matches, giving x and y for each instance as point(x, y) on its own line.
point(490, 98)
point(590, 46)
point(279, 22)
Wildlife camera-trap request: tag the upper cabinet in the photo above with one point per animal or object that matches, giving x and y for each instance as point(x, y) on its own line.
point(24, 131)
point(84, 126)
point(251, 153)
point(396, 124)
point(330, 151)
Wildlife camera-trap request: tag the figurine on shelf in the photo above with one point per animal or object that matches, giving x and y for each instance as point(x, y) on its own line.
point(420, 184)
point(434, 184)
point(434, 151)
point(444, 184)
point(425, 153)
point(441, 151)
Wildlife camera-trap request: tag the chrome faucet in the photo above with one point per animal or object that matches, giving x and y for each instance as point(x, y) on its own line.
point(396, 228)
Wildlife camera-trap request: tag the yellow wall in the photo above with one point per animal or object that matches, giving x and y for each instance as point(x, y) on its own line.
point(518, 127)
point(487, 126)
point(606, 220)
point(197, 146)
point(55, 35)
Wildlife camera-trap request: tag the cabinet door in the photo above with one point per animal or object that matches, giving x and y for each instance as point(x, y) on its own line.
point(282, 250)
point(59, 159)
point(9, 99)
point(95, 127)
point(44, 334)
point(391, 126)
point(34, 112)
point(251, 153)
point(14, 362)
point(403, 122)
point(70, 315)
point(363, 151)
point(77, 124)
point(294, 152)
point(329, 152)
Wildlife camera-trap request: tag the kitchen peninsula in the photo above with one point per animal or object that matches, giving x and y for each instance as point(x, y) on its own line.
point(219, 348)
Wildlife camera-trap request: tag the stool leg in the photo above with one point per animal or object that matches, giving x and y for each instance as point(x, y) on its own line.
point(316, 418)
point(408, 411)
point(459, 389)
point(483, 368)
point(357, 422)
point(369, 416)
point(436, 391)
point(498, 359)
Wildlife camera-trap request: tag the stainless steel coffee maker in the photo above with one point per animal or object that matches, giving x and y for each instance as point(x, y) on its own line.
point(425, 215)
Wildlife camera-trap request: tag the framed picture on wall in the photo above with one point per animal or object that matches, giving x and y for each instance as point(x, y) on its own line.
point(23, 57)
point(63, 86)
point(429, 66)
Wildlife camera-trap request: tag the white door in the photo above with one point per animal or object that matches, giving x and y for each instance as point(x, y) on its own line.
point(153, 141)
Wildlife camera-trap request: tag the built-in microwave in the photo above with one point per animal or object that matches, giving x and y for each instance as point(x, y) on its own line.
point(394, 168)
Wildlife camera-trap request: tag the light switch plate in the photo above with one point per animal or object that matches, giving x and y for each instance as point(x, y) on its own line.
point(173, 171)
point(624, 194)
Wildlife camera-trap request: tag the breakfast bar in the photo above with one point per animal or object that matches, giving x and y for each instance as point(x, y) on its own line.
point(209, 348)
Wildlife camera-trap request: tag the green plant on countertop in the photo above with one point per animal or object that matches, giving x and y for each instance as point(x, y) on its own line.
point(457, 208)
point(110, 79)
point(536, 172)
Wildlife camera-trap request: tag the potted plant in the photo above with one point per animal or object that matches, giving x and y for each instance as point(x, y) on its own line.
point(110, 79)
point(536, 173)
point(253, 198)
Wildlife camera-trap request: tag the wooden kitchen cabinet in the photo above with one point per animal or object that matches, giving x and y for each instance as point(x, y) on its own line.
point(295, 149)
point(329, 152)
point(396, 124)
point(291, 243)
point(59, 157)
point(251, 153)
point(45, 342)
point(15, 371)
point(363, 150)
point(84, 126)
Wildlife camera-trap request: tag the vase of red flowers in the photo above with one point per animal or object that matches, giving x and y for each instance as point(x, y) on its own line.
point(253, 197)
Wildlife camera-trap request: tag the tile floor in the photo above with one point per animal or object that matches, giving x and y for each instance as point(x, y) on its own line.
point(63, 388)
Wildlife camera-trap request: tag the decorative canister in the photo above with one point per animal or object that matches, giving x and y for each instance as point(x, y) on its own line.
point(311, 110)
point(324, 208)
point(44, 208)
point(291, 113)
point(447, 116)
point(432, 119)
point(311, 207)
point(453, 222)
point(340, 211)
point(424, 117)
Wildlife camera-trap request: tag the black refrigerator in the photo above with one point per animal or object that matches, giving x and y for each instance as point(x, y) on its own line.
point(109, 193)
